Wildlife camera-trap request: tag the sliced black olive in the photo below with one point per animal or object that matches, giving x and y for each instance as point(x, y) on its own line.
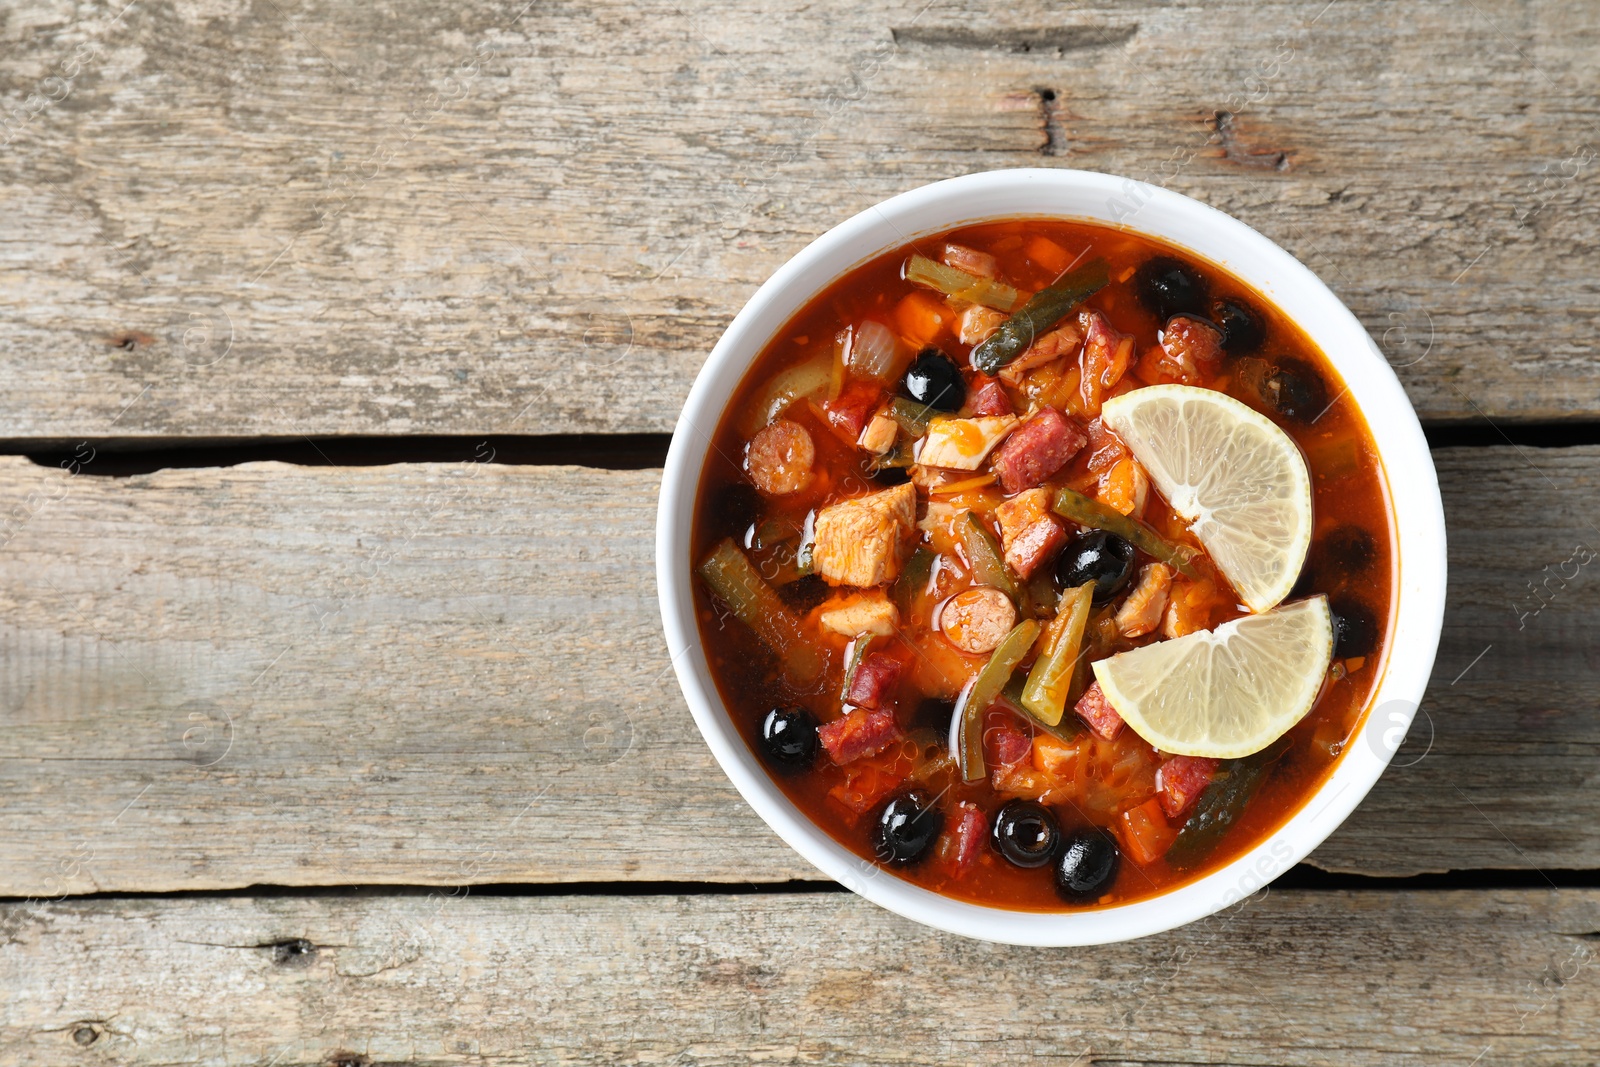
point(935, 380)
point(1349, 550)
point(1296, 390)
point(1099, 557)
point(1026, 834)
point(805, 593)
point(1242, 329)
point(1088, 865)
point(906, 828)
point(789, 738)
point(735, 507)
point(1355, 629)
point(1169, 288)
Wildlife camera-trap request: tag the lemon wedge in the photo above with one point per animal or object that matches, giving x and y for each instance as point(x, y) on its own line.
point(1226, 692)
point(1235, 477)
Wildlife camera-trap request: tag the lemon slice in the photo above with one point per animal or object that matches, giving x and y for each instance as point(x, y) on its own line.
point(1226, 692)
point(1239, 480)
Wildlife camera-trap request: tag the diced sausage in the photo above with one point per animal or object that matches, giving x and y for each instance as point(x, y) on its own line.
point(861, 542)
point(871, 614)
point(1141, 612)
point(1007, 746)
point(1189, 349)
point(977, 620)
point(1035, 546)
point(990, 399)
point(963, 444)
point(860, 733)
point(1094, 709)
point(1180, 780)
point(1040, 447)
point(971, 829)
point(779, 457)
point(1105, 447)
point(978, 324)
point(850, 410)
point(875, 677)
point(971, 260)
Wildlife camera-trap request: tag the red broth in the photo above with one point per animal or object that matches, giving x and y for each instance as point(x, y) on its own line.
point(1267, 362)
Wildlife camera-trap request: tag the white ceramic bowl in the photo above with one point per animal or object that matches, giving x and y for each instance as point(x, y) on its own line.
point(1213, 236)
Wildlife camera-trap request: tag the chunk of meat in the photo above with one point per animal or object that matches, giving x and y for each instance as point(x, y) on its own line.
point(977, 620)
point(1141, 612)
point(1005, 747)
point(1191, 606)
point(1105, 359)
point(861, 733)
point(1024, 780)
point(876, 676)
point(963, 444)
point(1039, 447)
point(862, 542)
point(874, 613)
point(779, 458)
point(990, 399)
point(978, 323)
point(1094, 709)
point(1105, 447)
point(879, 435)
point(1190, 349)
point(1057, 344)
point(1054, 756)
point(1180, 780)
point(1124, 487)
point(1020, 512)
point(1029, 533)
point(970, 831)
point(849, 411)
point(971, 260)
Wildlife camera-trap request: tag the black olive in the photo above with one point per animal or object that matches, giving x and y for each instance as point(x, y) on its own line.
point(891, 476)
point(805, 593)
point(1349, 550)
point(1296, 390)
point(789, 738)
point(1088, 865)
point(1026, 834)
point(1169, 288)
point(1355, 629)
point(735, 507)
point(906, 828)
point(935, 380)
point(1099, 557)
point(1242, 329)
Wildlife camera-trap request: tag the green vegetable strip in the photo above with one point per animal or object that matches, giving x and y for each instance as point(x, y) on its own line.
point(1045, 695)
point(858, 652)
point(990, 681)
point(988, 565)
point(1039, 316)
point(912, 416)
point(737, 584)
point(1071, 504)
point(807, 379)
point(921, 270)
point(1221, 804)
point(912, 581)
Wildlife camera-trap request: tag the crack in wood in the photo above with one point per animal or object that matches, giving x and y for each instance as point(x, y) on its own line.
point(1056, 41)
point(1236, 151)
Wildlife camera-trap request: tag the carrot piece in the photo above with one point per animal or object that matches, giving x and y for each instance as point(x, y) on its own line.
point(922, 318)
point(1146, 834)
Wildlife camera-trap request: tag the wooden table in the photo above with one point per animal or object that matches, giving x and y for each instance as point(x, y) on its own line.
point(341, 344)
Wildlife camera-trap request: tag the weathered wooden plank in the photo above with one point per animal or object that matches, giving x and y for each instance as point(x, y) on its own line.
point(491, 217)
point(445, 674)
point(1285, 978)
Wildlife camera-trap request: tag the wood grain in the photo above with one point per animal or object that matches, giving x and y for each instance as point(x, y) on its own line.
point(438, 674)
point(1284, 978)
point(240, 219)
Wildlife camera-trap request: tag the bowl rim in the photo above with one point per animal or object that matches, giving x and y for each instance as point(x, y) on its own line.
point(1416, 512)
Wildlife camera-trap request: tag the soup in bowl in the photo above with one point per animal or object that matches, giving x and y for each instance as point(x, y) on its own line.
point(1032, 548)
